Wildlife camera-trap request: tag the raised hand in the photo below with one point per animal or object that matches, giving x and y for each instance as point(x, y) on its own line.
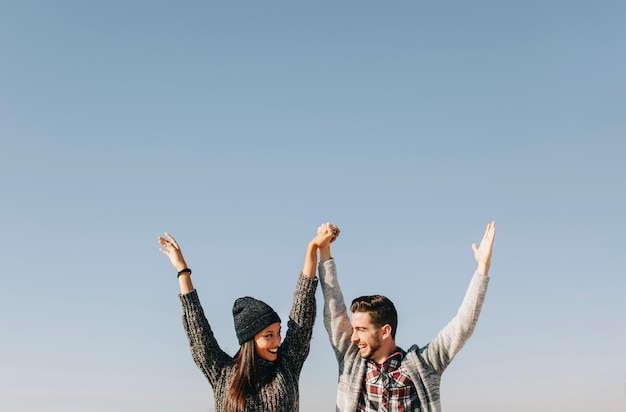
point(482, 252)
point(327, 229)
point(328, 232)
point(170, 248)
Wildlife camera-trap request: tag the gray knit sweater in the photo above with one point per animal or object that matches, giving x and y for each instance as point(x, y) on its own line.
point(279, 392)
point(424, 365)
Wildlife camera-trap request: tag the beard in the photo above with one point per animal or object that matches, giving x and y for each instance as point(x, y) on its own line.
point(372, 347)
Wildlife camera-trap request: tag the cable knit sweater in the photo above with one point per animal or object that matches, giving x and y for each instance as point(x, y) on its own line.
point(424, 365)
point(279, 391)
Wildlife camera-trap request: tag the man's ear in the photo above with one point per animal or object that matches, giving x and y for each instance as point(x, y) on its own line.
point(386, 331)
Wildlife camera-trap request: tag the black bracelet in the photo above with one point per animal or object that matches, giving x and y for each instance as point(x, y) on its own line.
point(186, 270)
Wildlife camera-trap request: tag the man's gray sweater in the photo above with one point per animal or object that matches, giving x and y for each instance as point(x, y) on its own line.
point(424, 365)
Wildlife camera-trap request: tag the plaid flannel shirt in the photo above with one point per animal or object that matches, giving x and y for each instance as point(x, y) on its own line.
point(387, 387)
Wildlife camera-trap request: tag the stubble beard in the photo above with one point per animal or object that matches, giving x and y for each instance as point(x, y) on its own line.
point(372, 349)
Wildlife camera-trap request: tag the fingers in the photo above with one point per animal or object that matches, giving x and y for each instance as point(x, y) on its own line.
point(329, 229)
point(164, 246)
point(326, 234)
point(324, 227)
point(163, 242)
point(167, 245)
point(487, 230)
point(172, 241)
point(490, 233)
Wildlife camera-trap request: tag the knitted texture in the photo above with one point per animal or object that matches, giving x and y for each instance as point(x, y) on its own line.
point(423, 364)
point(279, 379)
point(251, 316)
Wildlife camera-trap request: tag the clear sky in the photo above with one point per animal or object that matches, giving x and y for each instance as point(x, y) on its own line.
point(239, 127)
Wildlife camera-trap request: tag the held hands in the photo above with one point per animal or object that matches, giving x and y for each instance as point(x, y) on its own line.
point(326, 234)
point(482, 253)
point(326, 230)
point(170, 248)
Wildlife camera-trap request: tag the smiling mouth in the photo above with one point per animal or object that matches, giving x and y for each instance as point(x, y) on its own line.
point(273, 351)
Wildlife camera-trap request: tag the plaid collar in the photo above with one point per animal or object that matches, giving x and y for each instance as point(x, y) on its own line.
point(389, 366)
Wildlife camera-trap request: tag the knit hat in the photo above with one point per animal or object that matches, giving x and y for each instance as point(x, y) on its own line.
point(251, 317)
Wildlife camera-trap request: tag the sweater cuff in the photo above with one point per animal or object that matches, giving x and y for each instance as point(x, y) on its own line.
point(303, 307)
point(189, 297)
point(190, 302)
point(306, 284)
point(326, 265)
point(480, 279)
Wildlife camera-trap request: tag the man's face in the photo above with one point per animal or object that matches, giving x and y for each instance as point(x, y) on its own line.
point(366, 335)
point(267, 341)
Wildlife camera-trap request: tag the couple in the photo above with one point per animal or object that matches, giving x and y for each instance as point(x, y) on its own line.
point(374, 373)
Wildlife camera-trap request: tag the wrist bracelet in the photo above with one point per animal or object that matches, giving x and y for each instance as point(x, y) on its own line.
point(186, 270)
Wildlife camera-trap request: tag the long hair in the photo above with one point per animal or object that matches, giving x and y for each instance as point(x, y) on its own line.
point(245, 381)
point(381, 310)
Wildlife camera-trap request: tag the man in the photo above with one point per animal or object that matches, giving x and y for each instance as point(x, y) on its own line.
point(374, 373)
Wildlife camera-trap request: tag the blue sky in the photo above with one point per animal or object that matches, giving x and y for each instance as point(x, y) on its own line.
point(240, 127)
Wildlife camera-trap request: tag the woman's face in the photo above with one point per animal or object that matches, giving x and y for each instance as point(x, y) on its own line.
point(267, 341)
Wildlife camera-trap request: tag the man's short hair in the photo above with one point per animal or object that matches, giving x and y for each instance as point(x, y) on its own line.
point(381, 310)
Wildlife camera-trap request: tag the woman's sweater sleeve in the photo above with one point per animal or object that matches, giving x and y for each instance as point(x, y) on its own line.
point(297, 341)
point(206, 353)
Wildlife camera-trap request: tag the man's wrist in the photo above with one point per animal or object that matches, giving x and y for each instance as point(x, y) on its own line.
point(325, 254)
point(483, 268)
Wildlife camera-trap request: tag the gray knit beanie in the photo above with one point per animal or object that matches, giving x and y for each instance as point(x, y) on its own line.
point(251, 317)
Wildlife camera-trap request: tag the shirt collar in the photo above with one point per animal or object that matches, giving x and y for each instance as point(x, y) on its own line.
point(392, 362)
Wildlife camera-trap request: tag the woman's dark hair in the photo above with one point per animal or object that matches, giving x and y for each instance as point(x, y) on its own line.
point(246, 380)
point(381, 310)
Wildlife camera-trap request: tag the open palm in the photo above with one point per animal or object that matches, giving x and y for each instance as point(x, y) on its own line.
point(482, 252)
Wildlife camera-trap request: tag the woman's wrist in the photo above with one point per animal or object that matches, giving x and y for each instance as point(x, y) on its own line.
point(180, 266)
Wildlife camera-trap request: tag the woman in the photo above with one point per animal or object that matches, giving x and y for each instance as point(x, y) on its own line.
point(263, 375)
